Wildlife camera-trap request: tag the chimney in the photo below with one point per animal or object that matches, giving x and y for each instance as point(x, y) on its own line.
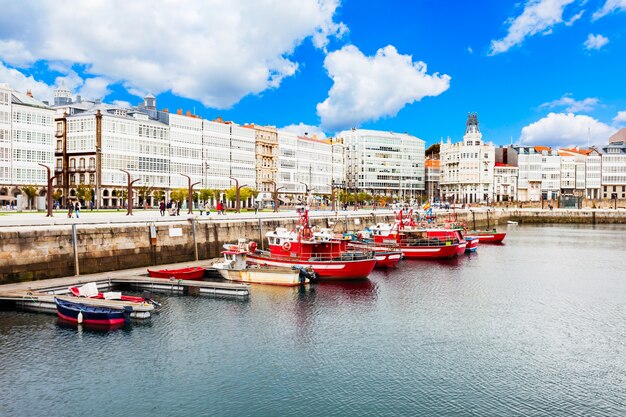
point(166, 111)
point(188, 114)
point(79, 99)
point(29, 93)
point(179, 111)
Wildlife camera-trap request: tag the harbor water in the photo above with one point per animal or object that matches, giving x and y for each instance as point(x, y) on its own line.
point(534, 327)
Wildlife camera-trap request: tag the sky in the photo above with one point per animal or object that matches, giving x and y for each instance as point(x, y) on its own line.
point(537, 72)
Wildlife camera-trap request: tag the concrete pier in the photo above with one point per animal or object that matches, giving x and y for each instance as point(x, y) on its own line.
point(41, 248)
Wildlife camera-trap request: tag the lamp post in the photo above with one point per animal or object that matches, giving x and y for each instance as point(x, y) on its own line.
point(49, 190)
point(306, 188)
point(332, 195)
point(237, 190)
point(275, 195)
point(189, 193)
point(129, 205)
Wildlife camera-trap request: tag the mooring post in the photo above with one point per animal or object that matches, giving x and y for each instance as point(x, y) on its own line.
point(261, 234)
point(195, 241)
point(75, 244)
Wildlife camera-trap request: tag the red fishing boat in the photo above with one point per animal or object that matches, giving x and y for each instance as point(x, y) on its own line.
point(487, 236)
point(328, 255)
point(415, 242)
point(449, 231)
point(192, 273)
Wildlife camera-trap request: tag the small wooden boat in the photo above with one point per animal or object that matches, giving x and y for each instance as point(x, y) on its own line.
point(90, 290)
point(88, 314)
point(236, 268)
point(191, 273)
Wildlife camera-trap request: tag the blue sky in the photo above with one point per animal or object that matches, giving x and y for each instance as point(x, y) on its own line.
point(537, 72)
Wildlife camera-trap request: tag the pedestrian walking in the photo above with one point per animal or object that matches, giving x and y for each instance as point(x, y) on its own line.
point(201, 207)
point(70, 209)
point(162, 207)
point(178, 208)
point(208, 208)
point(77, 209)
point(219, 207)
point(256, 207)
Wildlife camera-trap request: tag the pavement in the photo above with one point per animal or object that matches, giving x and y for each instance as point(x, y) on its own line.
point(12, 219)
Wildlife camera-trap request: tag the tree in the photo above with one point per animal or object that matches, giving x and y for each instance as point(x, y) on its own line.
point(144, 192)
point(363, 196)
point(57, 195)
point(84, 192)
point(231, 194)
point(179, 194)
point(31, 192)
point(159, 195)
point(206, 194)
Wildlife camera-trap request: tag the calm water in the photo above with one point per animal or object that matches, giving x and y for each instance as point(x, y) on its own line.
point(534, 327)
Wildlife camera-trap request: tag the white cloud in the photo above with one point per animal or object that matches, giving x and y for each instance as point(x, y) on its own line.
point(561, 130)
point(595, 41)
point(571, 105)
point(122, 103)
point(609, 7)
point(367, 88)
point(539, 16)
point(22, 83)
point(621, 117)
point(470, 50)
point(210, 50)
point(94, 88)
point(301, 128)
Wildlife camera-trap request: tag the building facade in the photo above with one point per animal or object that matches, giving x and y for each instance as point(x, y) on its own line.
point(614, 170)
point(467, 167)
point(266, 140)
point(26, 140)
point(505, 179)
point(433, 177)
point(384, 163)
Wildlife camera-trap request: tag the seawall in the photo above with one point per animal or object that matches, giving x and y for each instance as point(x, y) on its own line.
point(30, 253)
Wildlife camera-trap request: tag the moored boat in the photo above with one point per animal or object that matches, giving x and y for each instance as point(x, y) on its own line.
point(89, 314)
point(90, 290)
point(386, 256)
point(235, 268)
point(487, 236)
point(328, 255)
point(191, 273)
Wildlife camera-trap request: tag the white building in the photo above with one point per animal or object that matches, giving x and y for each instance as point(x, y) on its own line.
point(307, 162)
point(384, 163)
point(26, 140)
point(185, 149)
point(505, 179)
point(614, 170)
point(467, 167)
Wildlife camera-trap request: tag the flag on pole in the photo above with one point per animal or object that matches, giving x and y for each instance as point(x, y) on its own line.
point(426, 206)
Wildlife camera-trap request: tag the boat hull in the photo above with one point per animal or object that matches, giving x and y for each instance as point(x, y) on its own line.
point(472, 244)
point(271, 276)
point(387, 259)
point(339, 270)
point(430, 252)
point(69, 311)
point(487, 237)
point(192, 274)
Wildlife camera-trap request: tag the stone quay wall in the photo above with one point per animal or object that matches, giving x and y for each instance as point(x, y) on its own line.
point(41, 252)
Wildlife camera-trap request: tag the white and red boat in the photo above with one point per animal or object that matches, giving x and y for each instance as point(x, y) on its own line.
point(328, 255)
point(449, 231)
point(416, 242)
point(487, 236)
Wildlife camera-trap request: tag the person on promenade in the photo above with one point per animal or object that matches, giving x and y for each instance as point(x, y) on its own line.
point(219, 207)
point(208, 208)
point(70, 209)
point(201, 207)
point(162, 207)
point(173, 208)
point(178, 208)
point(77, 208)
point(256, 207)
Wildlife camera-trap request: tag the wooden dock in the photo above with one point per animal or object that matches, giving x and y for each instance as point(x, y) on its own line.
point(38, 296)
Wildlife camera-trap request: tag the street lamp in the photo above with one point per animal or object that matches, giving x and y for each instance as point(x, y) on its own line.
point(190, 193)
point(129, 205)
point(237, 190)
point(275, 195)
point(332, 195)
point(49, 191)
point(306, 187)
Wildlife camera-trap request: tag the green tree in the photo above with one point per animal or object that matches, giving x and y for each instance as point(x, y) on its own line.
point(231, 194)
point(84, 192)
point(159, 195)
point(31, 192)
point(144, 192)
point(363, 197)
point(57, 195)
point(179, 194)
point(206, 194)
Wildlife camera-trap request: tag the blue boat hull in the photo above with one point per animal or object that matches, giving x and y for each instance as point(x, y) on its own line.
point(70, 311)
